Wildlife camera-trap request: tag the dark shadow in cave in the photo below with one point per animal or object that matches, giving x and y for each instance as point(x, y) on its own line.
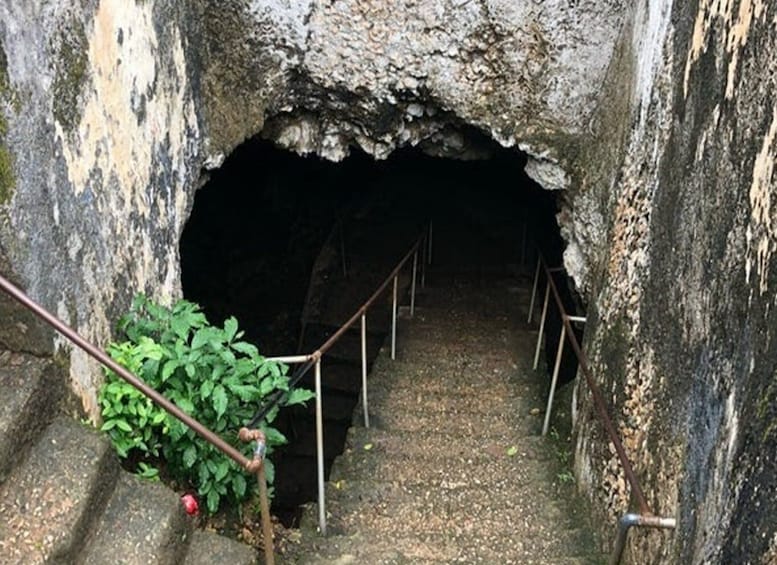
point(266, 217)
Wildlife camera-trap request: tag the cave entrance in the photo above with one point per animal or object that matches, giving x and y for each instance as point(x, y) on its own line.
point(269, 226)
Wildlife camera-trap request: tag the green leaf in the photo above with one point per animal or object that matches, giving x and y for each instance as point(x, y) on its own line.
point(239, 485)
point(274, 437)
point(221, 471)
point(185, 404)
point(189, 456)
point(220, 400)
point(246, 348)
point(213, 501)
point(203, 473)
point(512, 451)
point(230, 328)
point(169, 368)
point(218, 370)
point(299, 396)
point(202, 337)
point(180, 326)
point(123, 425)
point(205, 389)
point(190, 370)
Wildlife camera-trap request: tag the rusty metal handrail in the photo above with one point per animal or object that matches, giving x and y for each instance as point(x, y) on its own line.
point(423, 245)
point(645, 518)
point(205, 433)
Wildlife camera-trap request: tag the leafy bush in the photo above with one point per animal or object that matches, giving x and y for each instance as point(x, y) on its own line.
point(211, 375)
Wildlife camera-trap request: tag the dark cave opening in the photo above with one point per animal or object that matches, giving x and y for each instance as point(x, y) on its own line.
point(267, 234)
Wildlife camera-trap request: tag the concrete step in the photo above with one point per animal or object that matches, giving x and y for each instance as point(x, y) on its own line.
point(50, 501)
point(390, 444)
point(435, 549)
point(30, 395)
point(451, 464)
point(208, 548)
point(151, 521)
point(490, 376)
point(411, 508)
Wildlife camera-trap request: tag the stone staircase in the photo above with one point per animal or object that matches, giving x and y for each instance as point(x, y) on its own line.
point(64, 498)
point(453, 469)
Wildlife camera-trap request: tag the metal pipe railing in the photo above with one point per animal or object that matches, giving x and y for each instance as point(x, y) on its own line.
point(423, 242)
point(630, 520)
point(645, 518)
point(596, 393)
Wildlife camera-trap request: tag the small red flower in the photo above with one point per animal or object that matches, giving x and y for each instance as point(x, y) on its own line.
point(190, 504)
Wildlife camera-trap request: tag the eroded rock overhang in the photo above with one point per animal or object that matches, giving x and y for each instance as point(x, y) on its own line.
point(383, 75)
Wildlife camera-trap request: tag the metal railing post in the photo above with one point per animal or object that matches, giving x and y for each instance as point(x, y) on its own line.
point(364, 371)
point(542, 324)
point(553, 381)
point(412, 285)
point(534, 290)
point(320, 451)
point(269, 549)
point(394, 321)
point(630, 520)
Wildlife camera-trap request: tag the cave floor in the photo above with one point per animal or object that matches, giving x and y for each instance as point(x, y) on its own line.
point(453, 468)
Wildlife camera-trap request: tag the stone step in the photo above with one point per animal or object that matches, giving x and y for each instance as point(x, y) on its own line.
point(484, 375)
point(451, 401)
point(31, 393)
point(454, 423)
point(449, 465)
point(208, 548)
point(50, 501)
point(560, 547)
point(392, 443)
point(437, 508)
point(154, 527)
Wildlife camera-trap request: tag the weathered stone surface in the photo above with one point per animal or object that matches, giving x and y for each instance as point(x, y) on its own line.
point(142, 523)
point(658, 118)
point(49, 503)
point(207, 548)
point(681, 327)
point(30, 393)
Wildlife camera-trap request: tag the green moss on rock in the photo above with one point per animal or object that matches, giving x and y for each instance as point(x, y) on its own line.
point(7, 180)
point(71, 74)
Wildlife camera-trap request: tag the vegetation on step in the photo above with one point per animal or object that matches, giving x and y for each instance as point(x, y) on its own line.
point(207, 372)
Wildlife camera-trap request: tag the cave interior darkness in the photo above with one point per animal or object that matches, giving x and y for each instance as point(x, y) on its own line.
point(261, 221)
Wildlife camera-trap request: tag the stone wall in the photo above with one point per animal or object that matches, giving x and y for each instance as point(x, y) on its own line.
point(683, 308)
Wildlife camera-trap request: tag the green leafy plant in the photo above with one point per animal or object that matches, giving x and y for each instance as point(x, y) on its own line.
point(210, 374)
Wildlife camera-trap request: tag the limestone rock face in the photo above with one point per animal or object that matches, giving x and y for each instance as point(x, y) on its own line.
point(657, 119)
point(380, 75)
point(682, 336)
point(111, 109)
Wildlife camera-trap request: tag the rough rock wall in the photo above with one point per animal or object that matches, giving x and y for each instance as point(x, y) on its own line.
point(103, 139)
point(379, 75)
point(112, 108)
point(683, 300)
